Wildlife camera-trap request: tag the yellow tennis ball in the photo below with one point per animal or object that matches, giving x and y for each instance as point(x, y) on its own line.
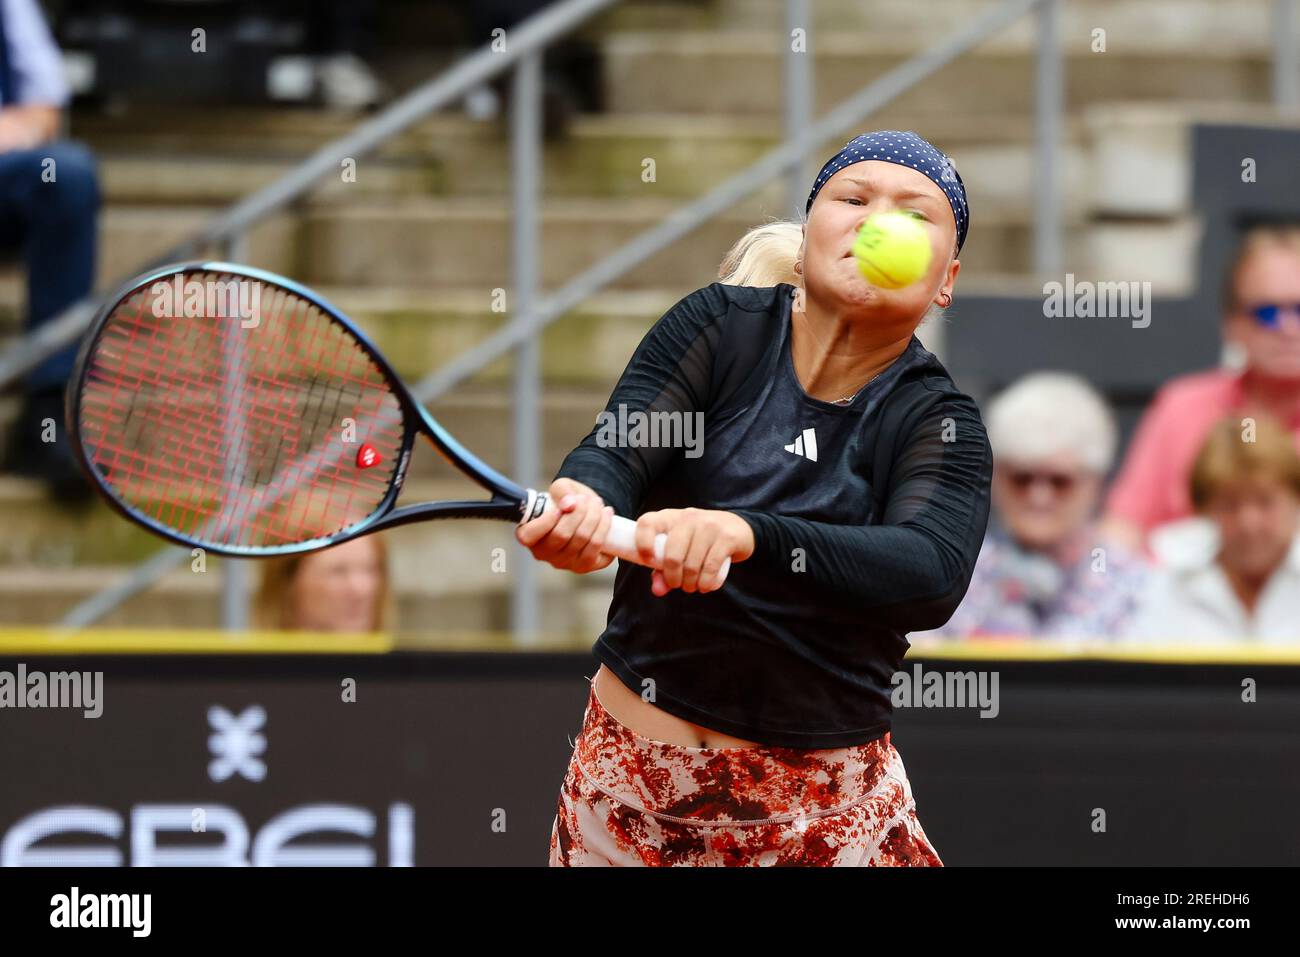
point(892, 250)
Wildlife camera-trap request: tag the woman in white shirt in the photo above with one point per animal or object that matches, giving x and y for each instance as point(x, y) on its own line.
point(1233, 573)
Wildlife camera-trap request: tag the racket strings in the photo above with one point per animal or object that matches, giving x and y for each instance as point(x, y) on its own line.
point(238, 421)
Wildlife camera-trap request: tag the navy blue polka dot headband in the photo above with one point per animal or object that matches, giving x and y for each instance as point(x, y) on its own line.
point(906, 149)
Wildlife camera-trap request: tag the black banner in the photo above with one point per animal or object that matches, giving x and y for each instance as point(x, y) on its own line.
point(442, 759)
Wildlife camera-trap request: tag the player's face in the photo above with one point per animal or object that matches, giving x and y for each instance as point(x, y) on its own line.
point(1271, 277)
point(338, 589)
point(1045, 502)
point(1257, 519)
point(831, 275)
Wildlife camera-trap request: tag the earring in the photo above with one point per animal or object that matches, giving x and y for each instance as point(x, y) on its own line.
point(946, 301)
point(798, 267)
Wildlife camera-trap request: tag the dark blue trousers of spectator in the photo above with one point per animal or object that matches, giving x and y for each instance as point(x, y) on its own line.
point(49, 202)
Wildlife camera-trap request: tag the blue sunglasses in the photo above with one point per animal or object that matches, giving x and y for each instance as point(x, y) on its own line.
point(1267, 314)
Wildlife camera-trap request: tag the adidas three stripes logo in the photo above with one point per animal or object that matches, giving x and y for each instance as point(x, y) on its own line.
point(805, 445)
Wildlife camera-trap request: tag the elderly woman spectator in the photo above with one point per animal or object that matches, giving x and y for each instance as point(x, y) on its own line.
point(1262, 332)
point(1241, 580)
point(1043, 572)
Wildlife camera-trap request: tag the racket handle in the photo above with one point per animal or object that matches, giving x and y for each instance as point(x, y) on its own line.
point(620, 541)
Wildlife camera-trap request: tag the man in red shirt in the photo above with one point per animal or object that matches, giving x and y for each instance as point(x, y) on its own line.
point(1262, 329)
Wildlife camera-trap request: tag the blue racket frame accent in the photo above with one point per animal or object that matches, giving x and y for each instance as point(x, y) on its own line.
point(510, 501)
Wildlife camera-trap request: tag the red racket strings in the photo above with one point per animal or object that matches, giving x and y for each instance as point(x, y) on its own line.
point(235, 416)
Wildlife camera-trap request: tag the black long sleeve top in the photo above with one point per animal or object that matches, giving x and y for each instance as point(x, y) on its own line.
point(867, 520)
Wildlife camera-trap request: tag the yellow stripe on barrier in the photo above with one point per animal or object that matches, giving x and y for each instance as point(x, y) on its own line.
point(1038, 649)
point(138, 641)
point(118, 641)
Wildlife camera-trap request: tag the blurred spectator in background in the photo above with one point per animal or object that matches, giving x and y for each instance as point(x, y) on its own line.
point(49, 200)
point(568, 65)
point(1042, 572)
point(344, 588)
point(342, 33)
point(1262, 329)
point(1242, 580)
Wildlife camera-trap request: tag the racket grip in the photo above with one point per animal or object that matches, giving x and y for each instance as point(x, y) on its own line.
point(620, 541)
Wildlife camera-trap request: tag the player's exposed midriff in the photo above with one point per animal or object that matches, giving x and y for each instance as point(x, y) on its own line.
point(640, 716)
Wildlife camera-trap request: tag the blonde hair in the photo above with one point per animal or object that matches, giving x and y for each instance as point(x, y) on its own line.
point(273, 609)
point(765, 256)
point(1226, 457)
point(1258, 240)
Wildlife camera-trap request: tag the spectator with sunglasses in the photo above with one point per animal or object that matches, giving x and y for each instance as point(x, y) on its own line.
point(1043, 572)
point(1262, 332)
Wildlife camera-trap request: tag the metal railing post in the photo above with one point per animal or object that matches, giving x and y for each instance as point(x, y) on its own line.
point(799, 98)
point(526, 173)
point(235, 574)
point(1049, 96)
point(1286, 58)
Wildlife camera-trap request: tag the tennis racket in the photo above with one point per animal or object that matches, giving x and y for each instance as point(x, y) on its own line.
point(232, 409)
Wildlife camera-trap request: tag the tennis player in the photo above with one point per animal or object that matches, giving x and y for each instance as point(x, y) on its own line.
point(846, 477)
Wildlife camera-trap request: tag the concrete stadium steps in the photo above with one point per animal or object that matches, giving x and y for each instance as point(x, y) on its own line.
point(1126, 171)
point(131, 236)
point(1177, 24)
point(1142, 223)
point(422, 242)
point(481, 417)
point(604, 157)
point(422, 330)
point(419, 330)
point(448, 576)
point(1139, 152)
point(996, 159)
point(206, 178)
point(13, 302)
point(41, 531)
point(741, 73)
point(250, 132)
point(660, 15)
point(572, 613)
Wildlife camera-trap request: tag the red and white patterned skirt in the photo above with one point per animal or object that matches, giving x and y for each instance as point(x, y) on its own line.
point(629, 800)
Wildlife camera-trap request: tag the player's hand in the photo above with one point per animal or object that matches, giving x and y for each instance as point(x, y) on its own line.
point(699, 540)
point(571, 535)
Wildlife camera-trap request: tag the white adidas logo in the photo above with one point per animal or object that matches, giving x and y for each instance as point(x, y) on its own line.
point(805, 445)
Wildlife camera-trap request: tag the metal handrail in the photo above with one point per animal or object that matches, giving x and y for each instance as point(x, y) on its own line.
point(534, 315)
point(530, 37)
point(681, 222)
point(1286, 58)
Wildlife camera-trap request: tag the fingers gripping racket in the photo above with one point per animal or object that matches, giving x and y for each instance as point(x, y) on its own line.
point(232, 409)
